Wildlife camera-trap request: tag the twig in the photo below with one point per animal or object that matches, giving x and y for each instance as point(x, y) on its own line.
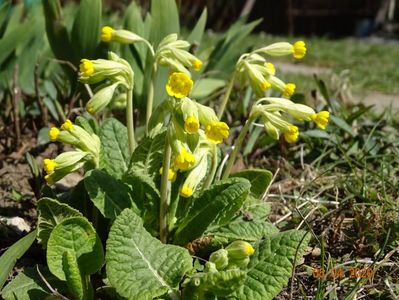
point(53, 290)
point(222, 164)
point(265, 194)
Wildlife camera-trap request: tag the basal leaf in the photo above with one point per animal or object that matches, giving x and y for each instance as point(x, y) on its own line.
point(205, 285)
point(72, 274)
point(271, 265)
point(108, 194)
point(29, 285)
point(114, 157)
point(196, 34)
point(78, 236)
point(165, 19)
point(9, 258)
point(214, 206)
point(51, 213)
point(148, 156)
point(241, 229)
point(258, 178)
point(86, 28)
point(204, 87)
point(138, 265)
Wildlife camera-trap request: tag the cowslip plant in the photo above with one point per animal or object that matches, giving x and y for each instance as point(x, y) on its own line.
point(171, 228)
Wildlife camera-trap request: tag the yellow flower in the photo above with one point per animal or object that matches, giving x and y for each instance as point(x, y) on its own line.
point(299, 49)
point(216, 131)
point(184, 160)
point(291, 134)
point(86, 67)
point(240, 250)
point(49, 179)
point(321, 119)
point(271, 68)
point(179, 85)
point(49, 165)
point(106, 33)
point(265, 85)
point(171, 174)
point(67, 125)
point(289, 90)
point(53, 134)
point(196, 64)
point(191, 124)
point(186, 191)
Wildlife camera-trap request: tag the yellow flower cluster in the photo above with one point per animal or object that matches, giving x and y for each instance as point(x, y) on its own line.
point(86, 153)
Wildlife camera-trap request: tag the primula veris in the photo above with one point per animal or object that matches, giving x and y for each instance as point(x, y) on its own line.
point(184, 160)
point(49, 165)
point(240, 250)
point(196, 65)
point(68, 126)
point(321, 119)
point(216, 132)
point(179, 85)
point(172, 174)
point(191, 125)
point(220, 258)
point(299, 49)
point(53, 134)
point(291, 134)
point(106, 33)
point(86, 67)
point(289, 90)
point(186, 191)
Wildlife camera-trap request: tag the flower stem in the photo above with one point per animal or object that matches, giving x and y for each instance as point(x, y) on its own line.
point(163, 206)
point(213, 168)
point(130, 121)
point(150, 95)
point(226, 96)
point(237, 146)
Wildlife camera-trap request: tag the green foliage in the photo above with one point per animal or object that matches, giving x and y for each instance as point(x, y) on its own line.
point(114, 147)
point(108, 194)
point(209, 285)
point(51, 213)
point(214, 206)
point(271, 265)
point(77, 236)
point(72, 274)
point(9, 258)
point(29, 285)
point(258, 178)
point(138, 265)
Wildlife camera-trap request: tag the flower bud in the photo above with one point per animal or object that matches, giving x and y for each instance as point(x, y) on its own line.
point(101, 99)
point(210, 267)
point(238, 263)
point(239, 250)
point(220, 258)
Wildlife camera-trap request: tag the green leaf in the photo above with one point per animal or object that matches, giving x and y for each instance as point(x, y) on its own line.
point(256, 209)
point(51, 213)
point(86, 28)
point(214, 206)
point(206, 86)
point(241, 229)
point(9, 258)
point(271, 265)
point(196, 34)
point(317, 133)
point(138, 265)
point(223, 283)
point(342, 125)
point(85, 124)
point(148, 156)
point(114, 157)
point(72, 274)
point(108, 194)
point(259, 179)
point(165, 19)
point(78, 236)
point(29, 285)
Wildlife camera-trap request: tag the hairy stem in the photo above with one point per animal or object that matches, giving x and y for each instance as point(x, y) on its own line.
point(237, 146)
point(163, 207)
point(150, 95)
point(130, 121)
point(226, 96)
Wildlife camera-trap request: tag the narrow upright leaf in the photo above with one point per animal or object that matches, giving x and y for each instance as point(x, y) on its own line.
point(165, 19)
point(196, 34)
point(9, 258)
point(139, 266)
